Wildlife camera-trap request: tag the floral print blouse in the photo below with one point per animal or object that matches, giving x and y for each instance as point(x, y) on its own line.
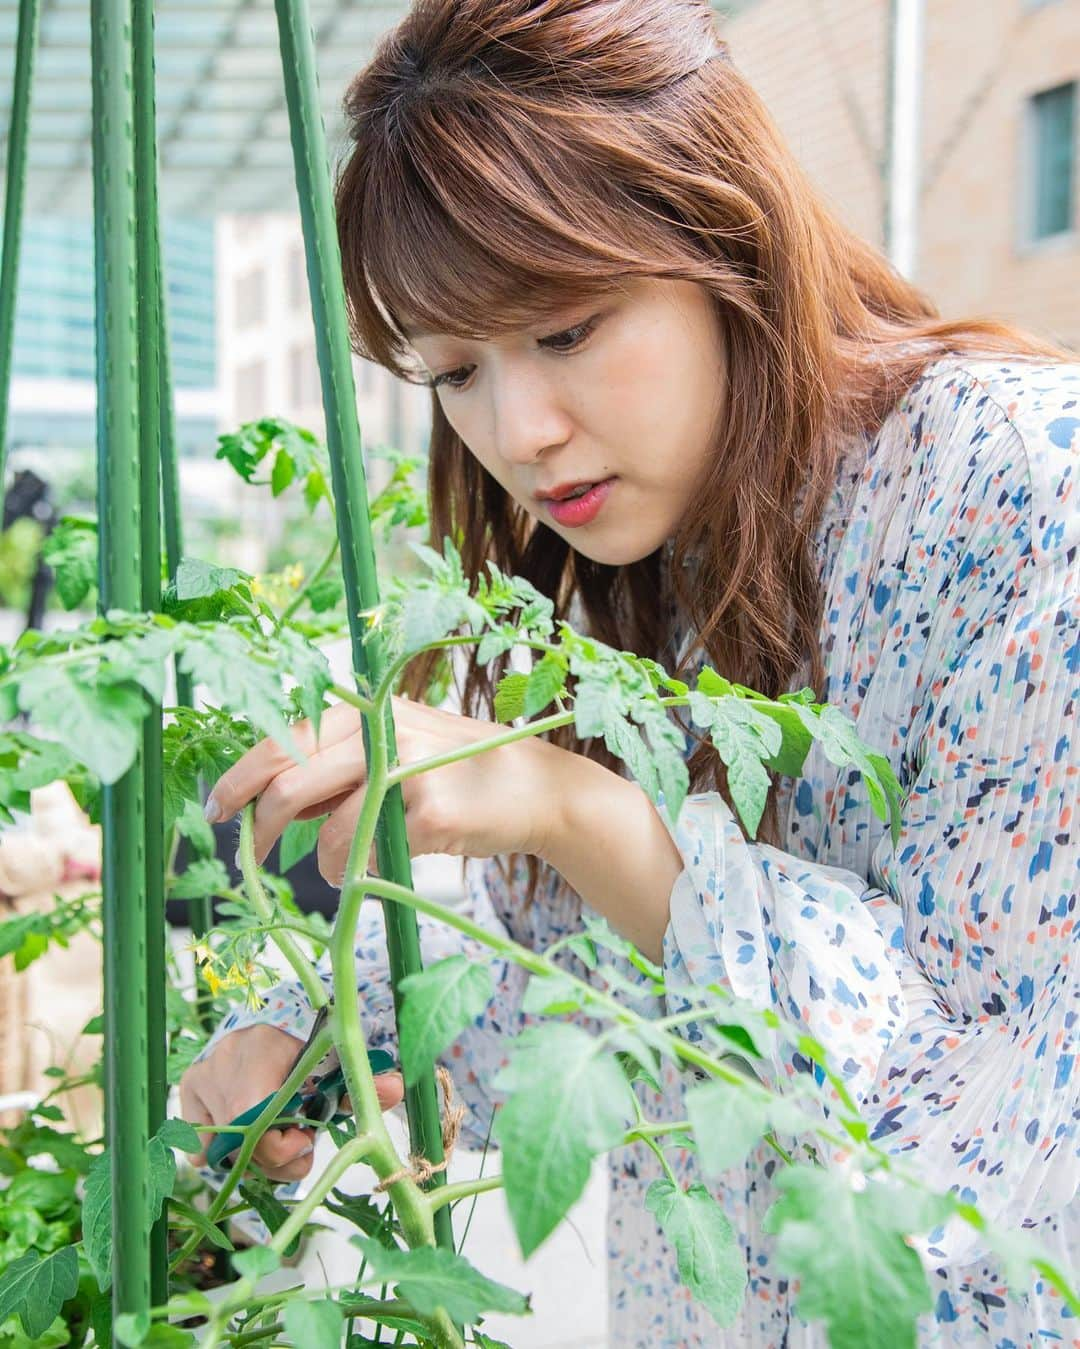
point(938, 973)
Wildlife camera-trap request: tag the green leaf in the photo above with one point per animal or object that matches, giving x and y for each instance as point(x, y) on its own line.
point(727, 1123)
point(191, 822)
point(14, 933)
point(256, 1262)
point(742, 746)
point(71, 550)
point(359, 1210)
point(552, 995)
point(431, 1277)
point(570, 1102)
point(596, 706)
point(164, 1336)
point(198, 1222)
point(34, 946)
point(259, 1193)
point(865, 1282)
point(510, 696)
point(97, 1221)
point(34, 1289)
point(238, 680)
point(98, 723)
point(796, 740)
point(132, 1328)
point(161, 1172)
point(204, 592)
point(326, 594)
point(710, 1259)
point(178, 1133)
point(97, 1199)
point(204, 876)
point(196, 579)
point(299, 838)
point(315, 1325)
point(282, 473)
point(546, 682)
point(440, 1002)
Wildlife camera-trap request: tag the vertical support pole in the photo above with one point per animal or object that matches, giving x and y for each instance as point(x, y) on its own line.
point(120, 583)
point(904, 122)
point(15, 192)
point(354, 525)
point(149, 288)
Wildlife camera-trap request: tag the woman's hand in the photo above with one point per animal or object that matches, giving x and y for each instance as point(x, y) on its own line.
point(501, 801)
point(244, 1067)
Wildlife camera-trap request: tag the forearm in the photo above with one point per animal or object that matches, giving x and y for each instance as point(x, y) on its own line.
point(610, 844)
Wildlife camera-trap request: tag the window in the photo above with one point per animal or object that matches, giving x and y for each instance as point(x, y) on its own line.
point(250, 391)
point(298, 286)
point(250, 299)
point(305, 389)
point(365, 376)
point(1053, 161)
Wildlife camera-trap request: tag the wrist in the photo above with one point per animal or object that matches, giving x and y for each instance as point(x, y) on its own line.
point(608, 841)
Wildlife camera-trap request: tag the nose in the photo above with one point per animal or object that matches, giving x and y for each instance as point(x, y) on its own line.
point(527, 417)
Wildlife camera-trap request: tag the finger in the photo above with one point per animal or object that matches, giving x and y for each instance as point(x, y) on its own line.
point(193, 1110)
point(335, 838)
point(328, 774)
point(389, 1088)
point(322, 807)
point(285, 1154)
point(254, 770)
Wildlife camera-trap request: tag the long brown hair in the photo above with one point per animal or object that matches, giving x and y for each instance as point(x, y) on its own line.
point(512, 156)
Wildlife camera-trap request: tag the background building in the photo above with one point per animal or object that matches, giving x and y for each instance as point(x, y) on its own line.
point(52, 392)
point(998, 230)
point(267, 340)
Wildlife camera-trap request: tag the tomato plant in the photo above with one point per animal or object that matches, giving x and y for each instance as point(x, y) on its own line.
point(569, 1096)
point(100, 1235)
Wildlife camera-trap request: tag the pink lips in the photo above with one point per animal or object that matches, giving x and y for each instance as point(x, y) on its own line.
point(581, 510)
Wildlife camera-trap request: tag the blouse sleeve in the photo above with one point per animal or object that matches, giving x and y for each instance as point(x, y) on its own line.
point(495, 901)
point(940, 985)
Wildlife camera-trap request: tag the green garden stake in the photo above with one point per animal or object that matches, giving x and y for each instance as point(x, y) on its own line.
point(353, 521)
point(149, 281)
point(120, 582)
point(15, 192)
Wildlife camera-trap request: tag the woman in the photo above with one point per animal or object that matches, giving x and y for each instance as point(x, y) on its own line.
point(576, 221)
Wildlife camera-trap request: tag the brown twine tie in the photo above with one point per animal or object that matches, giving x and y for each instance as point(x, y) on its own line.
point(419, 1168)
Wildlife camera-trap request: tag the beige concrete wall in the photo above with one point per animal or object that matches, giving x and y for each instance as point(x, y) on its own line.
point(820, 67)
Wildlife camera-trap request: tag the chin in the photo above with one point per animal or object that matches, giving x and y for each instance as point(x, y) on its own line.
point(618, 554)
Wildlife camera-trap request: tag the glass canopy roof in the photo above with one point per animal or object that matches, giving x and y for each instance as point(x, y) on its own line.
point(222, 125)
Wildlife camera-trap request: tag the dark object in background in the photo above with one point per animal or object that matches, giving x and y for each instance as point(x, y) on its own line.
point(312, 893)
point(28, 497)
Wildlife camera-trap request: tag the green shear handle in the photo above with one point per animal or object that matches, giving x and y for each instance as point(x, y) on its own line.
point(319, 1104)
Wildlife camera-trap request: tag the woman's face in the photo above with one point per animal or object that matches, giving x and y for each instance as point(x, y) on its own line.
point(628, 391)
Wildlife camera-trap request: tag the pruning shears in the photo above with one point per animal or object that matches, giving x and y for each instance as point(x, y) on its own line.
point(318, 1099)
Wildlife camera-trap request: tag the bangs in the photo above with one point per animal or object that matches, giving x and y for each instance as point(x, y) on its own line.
point(475, 226)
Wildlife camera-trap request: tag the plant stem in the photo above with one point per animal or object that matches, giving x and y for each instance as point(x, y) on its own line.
point(462, 1189)
point(302, 966)
point(355, 1150)
point(645, 1138)
point(409, 1201)
point(645, 1130)
point(411, 770)
point(307, 1061)
point(313, 580)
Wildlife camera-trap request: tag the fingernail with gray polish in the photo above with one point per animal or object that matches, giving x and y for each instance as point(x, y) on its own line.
point(212, 810)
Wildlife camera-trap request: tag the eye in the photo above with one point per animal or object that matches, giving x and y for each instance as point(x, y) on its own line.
point(569, 340)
